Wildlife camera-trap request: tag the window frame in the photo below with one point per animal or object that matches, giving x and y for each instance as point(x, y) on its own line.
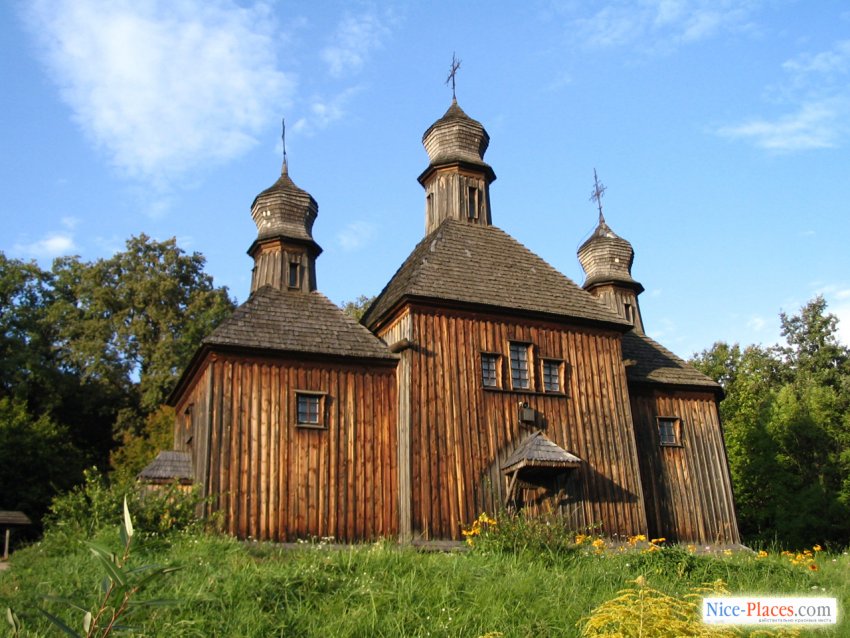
point(294, 267)
point(319, 397)
point(559, 375)
point(676, 430)
point(522, 346)
point(471, 203)
point(496, 357)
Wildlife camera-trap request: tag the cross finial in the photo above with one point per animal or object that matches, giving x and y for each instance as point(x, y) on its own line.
point(453, 73)
point(285, 168)
point(596, 196)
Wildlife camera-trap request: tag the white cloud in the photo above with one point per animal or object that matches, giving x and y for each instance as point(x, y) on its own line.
point(835, 61)
point(756, 323)
point(163, 86)
point(52, 245)
point(815, 125)
point(70, 222)
point(818, 99)
point(656, 25)
point(355, 235)
point(354, 39)
point(323, 112)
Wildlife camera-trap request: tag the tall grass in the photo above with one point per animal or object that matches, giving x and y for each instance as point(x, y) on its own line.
point(230, 588)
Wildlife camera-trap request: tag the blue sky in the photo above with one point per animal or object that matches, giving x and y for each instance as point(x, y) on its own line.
point(721, 130)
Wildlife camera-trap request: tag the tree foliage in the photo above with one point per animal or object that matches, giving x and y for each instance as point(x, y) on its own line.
point(786, 416)
point(89, 352)
point(358, 307)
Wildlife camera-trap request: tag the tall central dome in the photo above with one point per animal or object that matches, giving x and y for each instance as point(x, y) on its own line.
point(457, 180)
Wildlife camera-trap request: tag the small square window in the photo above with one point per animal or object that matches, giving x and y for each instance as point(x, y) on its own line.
point(520, 378)
point(490, 370)
point(310, 409)
point(669, 431)
point(552, 375)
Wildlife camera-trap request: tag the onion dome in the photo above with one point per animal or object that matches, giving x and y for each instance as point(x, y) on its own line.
point(607, 258)
point(284, 210)
point(456, 137)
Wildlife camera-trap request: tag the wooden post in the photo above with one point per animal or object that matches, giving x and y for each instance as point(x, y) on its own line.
point(6, 544)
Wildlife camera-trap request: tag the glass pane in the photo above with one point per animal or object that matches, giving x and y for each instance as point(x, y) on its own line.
point(308, 409)
point(551, 376)
point(488, 370)
point(519, 365)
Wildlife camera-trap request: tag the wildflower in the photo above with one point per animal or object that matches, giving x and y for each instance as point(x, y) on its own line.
point(813, 567)
point(599, 544)
point(580, 538)
point(692, 548)
point(817, 548)
point(657, 540)
point(762, 554)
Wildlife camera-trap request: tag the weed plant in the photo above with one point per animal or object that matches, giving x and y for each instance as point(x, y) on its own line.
point(529, 582)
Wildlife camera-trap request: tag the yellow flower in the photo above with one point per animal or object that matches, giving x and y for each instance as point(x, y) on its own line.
point(692, 548)
point(817, 548)
point(657, 540)
point(762, 554)
point(580, 538)
point(598, 543)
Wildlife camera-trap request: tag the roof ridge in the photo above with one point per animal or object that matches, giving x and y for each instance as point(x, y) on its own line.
point(503, 273)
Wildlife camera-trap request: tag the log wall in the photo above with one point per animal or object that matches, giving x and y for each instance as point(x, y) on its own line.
point(273, 479)
point(461, 432)
point(687, 488)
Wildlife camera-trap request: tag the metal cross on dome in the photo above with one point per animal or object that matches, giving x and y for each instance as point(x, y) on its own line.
point(453, 73)
point(596, 195)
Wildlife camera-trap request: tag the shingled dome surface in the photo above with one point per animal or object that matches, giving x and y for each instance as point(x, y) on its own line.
point(284, 210)
point(295, 321)
point(456, 137)
point(484, 265)
point(607, 257)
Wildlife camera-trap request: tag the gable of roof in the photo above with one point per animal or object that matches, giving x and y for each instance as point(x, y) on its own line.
point(653, 363)
point(483, 265)
point(294, 321)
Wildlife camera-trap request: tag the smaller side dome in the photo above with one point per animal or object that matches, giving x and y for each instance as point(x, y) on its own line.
point(284, 210)
point(607, 258)
point(456, 137)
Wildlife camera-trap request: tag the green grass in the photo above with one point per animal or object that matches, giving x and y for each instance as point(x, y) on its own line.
point(229, 588)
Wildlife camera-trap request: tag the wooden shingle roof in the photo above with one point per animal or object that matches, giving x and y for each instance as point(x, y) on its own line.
point(537, 450)
point(653, 363)
point(295, 321)
point(13, 518)
point(168, 465)
point(483, 265)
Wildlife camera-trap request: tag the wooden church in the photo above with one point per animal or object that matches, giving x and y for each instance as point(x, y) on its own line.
point(480, 378)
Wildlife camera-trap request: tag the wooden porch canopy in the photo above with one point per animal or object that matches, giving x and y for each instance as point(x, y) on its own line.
point(535, 462)
point(8, 520)
point(167, 467)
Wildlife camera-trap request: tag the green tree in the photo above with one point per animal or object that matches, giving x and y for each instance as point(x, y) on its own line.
point(137, 449)
point(135, 319)
point(37, 459)
point(358, 307)
point(787, 428)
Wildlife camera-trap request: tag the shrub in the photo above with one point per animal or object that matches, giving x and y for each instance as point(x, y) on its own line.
point(514, 532)
point(93, 505)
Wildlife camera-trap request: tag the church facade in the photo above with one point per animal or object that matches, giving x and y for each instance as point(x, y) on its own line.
point(480, 378)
